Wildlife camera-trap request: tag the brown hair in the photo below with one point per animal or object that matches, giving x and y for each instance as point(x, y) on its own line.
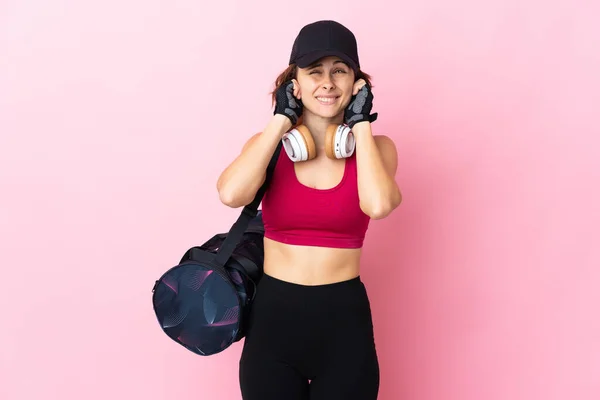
point(292, 71)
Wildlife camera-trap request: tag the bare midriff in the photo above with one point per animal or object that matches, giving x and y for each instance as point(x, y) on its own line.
point(310, 265)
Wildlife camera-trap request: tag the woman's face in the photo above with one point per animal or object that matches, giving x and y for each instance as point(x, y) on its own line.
point(325, 87)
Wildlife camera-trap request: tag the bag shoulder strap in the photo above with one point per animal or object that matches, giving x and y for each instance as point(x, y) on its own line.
point(248, 212)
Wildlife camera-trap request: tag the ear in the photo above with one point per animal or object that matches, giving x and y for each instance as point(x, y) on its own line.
point(358, 85)
point(297, 92)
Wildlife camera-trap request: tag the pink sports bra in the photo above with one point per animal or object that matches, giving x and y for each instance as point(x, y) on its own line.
point(294, 213)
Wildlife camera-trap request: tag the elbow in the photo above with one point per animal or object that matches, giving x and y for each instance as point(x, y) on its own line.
point(382, 209)
point(230, 199)
point(227, 199)
point(234, 195)
point(234, 198)
point(227, 196)
point(379, 212)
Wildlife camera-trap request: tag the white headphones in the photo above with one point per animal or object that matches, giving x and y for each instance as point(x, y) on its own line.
point(300, 146)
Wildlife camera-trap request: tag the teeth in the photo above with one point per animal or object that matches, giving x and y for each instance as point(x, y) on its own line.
point(328, 100)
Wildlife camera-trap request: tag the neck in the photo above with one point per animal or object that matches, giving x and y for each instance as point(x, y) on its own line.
point(318, 126)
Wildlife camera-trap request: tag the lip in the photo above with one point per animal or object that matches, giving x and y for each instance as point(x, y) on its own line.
point(331, 99)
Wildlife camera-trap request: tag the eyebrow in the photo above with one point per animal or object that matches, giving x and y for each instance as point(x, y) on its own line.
point(321, 64)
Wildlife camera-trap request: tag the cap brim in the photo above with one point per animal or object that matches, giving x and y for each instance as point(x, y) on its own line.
point(310, 58)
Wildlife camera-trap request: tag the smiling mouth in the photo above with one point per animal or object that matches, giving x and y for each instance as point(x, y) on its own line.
point(327, 100)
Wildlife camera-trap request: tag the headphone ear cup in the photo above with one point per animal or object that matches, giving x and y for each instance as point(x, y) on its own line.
point(299, 144)
point(339, 142)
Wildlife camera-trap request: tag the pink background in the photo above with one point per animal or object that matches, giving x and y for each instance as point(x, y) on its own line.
point(117, 116)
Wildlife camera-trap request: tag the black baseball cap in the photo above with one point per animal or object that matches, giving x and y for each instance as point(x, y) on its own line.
point(324, 38)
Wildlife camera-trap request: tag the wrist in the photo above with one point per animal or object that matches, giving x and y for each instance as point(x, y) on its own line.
point(280, 124)
point(362, 128)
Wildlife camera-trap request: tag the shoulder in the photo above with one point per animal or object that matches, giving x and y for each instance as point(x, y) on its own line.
point(388, 151)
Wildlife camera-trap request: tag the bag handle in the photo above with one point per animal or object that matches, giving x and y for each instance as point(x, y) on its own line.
point(248, 212)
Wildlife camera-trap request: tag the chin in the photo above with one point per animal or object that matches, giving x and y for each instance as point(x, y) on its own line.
point(329, 115)
point(326, 114)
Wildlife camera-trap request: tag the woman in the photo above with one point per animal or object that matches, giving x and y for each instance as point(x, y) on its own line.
point(310, 333)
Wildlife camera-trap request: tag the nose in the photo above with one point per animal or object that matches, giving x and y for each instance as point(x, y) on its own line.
point(328, 83)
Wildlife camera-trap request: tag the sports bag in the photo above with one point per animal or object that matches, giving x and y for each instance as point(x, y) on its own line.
point(203, 302)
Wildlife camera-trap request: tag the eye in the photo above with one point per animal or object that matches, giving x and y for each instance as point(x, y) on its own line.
point(341, 70)
point(314, 71)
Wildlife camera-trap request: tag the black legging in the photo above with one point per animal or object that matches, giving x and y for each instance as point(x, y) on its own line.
point(319, 333)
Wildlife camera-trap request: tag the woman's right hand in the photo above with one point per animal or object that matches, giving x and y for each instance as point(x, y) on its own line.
point(287, 101)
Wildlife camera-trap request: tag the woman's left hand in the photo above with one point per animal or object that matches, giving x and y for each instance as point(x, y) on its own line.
point(360, 105)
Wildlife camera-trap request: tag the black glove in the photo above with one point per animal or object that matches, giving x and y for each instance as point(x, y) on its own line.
point(359, 108)
point(286, 104)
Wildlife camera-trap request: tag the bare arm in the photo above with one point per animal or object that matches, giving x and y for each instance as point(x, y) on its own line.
point(377, 161)
point(239, 182)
